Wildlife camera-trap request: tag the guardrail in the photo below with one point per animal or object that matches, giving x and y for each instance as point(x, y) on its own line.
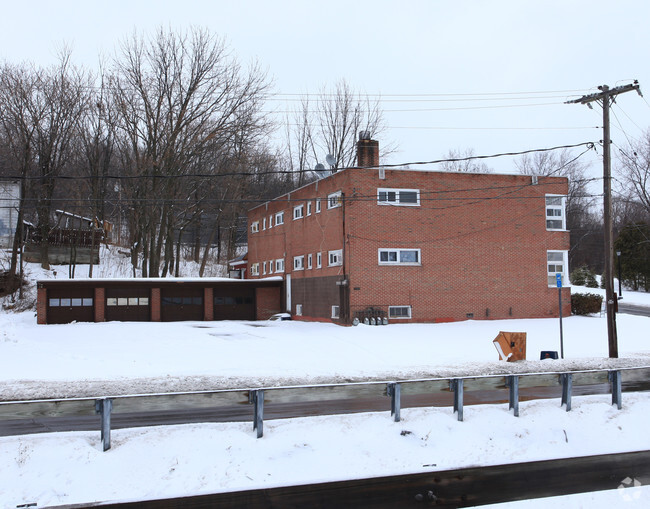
point(108, 405)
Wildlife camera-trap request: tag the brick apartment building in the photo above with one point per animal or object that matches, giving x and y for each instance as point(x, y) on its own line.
point(415, 245)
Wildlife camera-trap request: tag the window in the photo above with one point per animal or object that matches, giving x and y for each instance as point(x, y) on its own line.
point(309, 208)
point(309, 261)
point(264, 224)
point(299, 262)
point(335, 257)
point(255, 269)
point(255, 227)
point(335, 311)
point(271, 221)
point(271, 267)
point(399, 257)
point(317, 206)
point(298, 212)
point(555, 217)
point(556, 263)
point(334, 200)
point(298, 309)
point(405, 197)
point(279, 265)
point(279, 218)
point(264, 268)
point(399, 312)
point(319, 260)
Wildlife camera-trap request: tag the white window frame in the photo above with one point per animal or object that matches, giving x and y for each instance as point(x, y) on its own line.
point(397, 252)
point(279, 265)
point(255, 269)
point(397, 193)
point(264, 224)
point(299, 262)
point(319, 260)
point(561, 208)
point(392, 317)
point(334, 200)
point(309, 261)
point(270, 221)
point(263, 268)
point(298, 309)
point(335, 258)
point(309, 208)
point(271, 266)
point(299, 211)
point(255, 226)
point(336, 312)
point(553, 264)
point(279, 218)
point(317, 205)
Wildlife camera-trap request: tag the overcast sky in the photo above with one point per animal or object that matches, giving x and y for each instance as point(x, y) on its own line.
point(488, 75)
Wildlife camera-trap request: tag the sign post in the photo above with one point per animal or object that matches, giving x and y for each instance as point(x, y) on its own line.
point(558, 281)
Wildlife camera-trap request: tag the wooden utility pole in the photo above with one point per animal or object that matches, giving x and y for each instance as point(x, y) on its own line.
point(606, 97)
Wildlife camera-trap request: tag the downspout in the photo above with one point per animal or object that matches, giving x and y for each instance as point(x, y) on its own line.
point(345, 304)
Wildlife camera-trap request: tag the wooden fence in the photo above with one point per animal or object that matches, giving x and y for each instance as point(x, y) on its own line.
point(108, 405)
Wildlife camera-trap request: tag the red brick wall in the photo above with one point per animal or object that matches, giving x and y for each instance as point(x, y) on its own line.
point(208, 304)
point(268, 301)
point(483, 242)
point(155, 304)
point(41, 306)
point(100, 302)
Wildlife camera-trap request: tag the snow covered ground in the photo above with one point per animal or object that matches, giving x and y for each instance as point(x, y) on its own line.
point(39, 361)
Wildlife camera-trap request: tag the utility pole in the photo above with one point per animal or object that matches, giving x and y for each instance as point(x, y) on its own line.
point(606, 97)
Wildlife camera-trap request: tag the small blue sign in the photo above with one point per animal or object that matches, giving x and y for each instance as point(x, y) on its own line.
point(558, 280)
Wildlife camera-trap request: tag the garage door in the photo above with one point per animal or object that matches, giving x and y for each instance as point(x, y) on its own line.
point(178, 304)
point(234, 303)
point(69, 305)
point(128, 305)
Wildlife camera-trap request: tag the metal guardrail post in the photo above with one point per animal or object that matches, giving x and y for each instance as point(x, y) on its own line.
point(566, 379)
point(256, 397)
point(615, 379)
point(104, 408)
point(512, 382)
point(456, 385)
point(394, 390)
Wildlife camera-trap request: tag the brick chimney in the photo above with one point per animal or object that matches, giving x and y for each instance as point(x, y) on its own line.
point(367, 151)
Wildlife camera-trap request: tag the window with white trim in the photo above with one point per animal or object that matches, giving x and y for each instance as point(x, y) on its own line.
point(279, 218)
point(334, 200)
point(319, 260)
point(298, 211)
point(299, 262)
point(255, 227)
point(255, 269)
point(555, 213)
point(557, 263)
point(309, 208)
point(264, 224)
point(271, 221)
point(279, 265)
point(403, 197)
point(335, 258)
point(271, 267)
point(336, 310)
point(317, 206)
point(263, 267)
point(298, 309)
point(309, 265)
point(399, 312)
point(399, 256)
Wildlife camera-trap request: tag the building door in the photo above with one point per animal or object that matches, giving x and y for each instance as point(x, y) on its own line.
point(65, 305)
point(181, 303)
point(128, 305)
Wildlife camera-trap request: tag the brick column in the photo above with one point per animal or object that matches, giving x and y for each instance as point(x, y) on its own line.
point(41, 305)
point(208, 306)
point(100, 303)
point(155, 304)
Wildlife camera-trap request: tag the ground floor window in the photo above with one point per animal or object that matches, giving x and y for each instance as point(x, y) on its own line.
point(298, 309)
point(182, 301)
point(557, 263)
point(335, 311)
point(76, 302)
point(127, 301)
point(399, 312)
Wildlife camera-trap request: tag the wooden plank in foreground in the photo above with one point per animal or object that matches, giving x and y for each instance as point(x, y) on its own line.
point(450, 488)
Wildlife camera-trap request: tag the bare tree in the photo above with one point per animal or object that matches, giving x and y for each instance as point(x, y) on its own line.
point(464, 161)
point(634, 167)
point(177, 97)
point(332, 128)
